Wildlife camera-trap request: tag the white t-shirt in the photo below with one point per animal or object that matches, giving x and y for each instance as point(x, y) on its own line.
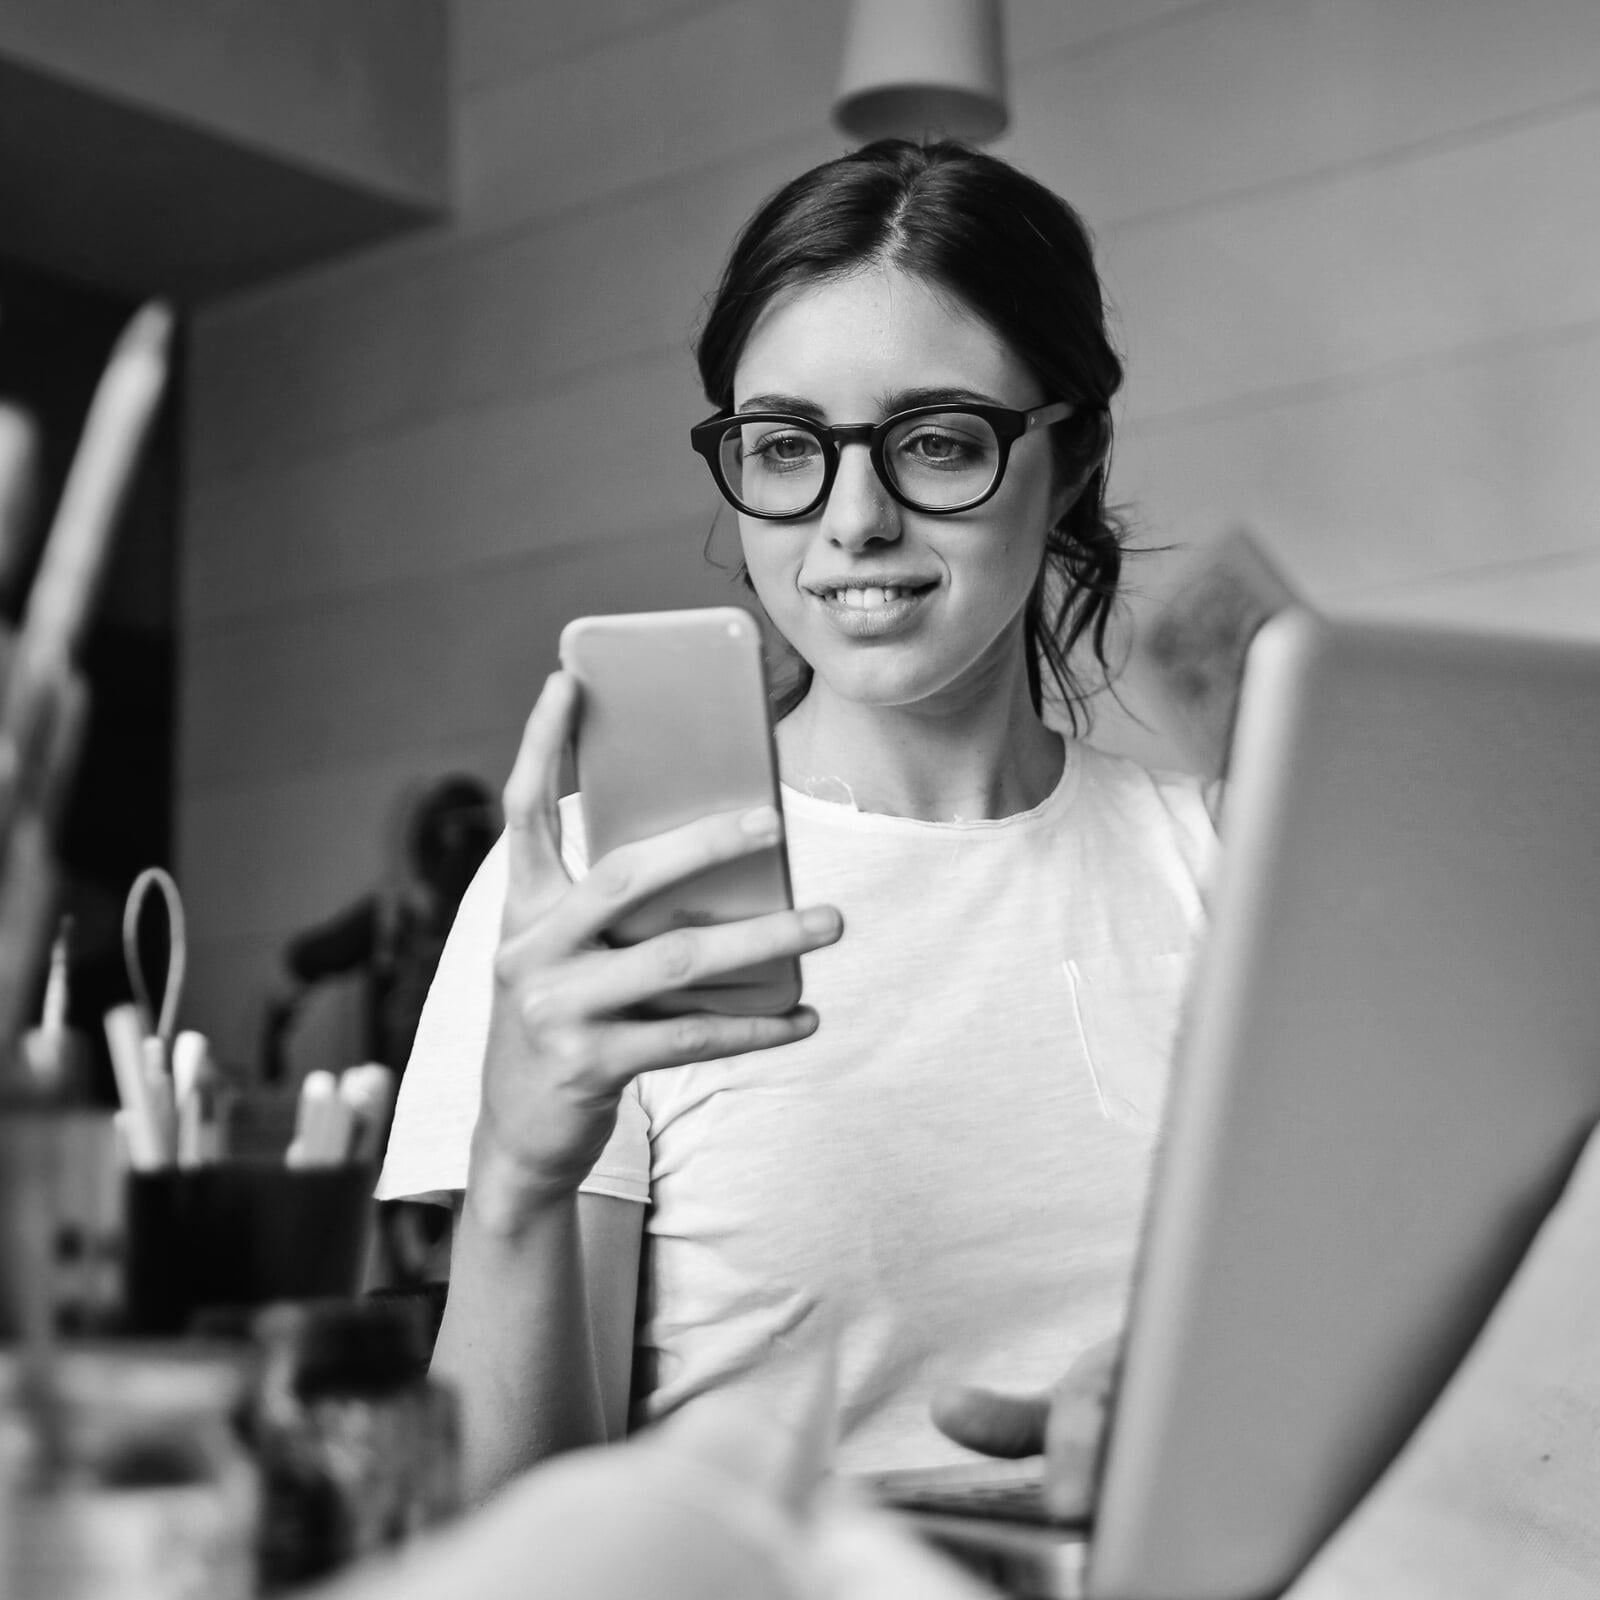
point(947, 1177)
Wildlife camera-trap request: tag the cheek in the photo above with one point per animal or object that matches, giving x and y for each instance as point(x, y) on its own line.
point(1016, 547)
point(767, 560)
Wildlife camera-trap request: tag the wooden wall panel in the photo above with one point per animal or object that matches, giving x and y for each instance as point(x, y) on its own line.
point(606, 458)
point(1222, 99)
point(1555, 597)
point(1363, 271)
point(646, 107)
point(1461, 464)
point(431, 331)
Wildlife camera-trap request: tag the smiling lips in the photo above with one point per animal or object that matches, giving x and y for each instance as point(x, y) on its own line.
point(867, 597)
point(871, 610)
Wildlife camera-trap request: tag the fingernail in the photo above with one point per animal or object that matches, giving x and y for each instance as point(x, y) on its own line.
point(761, 823)
point(820, 919)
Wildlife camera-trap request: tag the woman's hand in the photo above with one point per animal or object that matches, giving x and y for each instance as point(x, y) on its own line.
point(565, 1038)
point(1064, 1425)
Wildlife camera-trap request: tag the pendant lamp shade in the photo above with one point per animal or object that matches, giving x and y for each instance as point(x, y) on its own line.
point(923, 68)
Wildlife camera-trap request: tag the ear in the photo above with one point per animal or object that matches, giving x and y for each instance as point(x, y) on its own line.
point(1097, 445)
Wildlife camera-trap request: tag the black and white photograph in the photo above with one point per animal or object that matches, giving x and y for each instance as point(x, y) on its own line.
point(799, 799)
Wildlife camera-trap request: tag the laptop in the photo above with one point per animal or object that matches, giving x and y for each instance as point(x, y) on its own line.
point(1389, 1058)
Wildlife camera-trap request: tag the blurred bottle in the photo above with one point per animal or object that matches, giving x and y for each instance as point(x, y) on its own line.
point(122, 1477)
point(358, 1446)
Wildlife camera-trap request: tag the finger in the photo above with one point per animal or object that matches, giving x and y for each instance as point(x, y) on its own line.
point(1073, 1436)
point(1079, 1406)
point(610, 981)
point(630, 1048)
point(990, 1423)
point(629, 875)
point(533, 824)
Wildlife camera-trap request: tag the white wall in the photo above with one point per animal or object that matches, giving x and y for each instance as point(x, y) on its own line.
point(1355, 250)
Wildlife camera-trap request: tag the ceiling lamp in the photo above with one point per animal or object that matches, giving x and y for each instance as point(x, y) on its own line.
point(919, 69)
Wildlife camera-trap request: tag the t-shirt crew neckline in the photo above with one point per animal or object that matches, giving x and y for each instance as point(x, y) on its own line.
point(797, 803)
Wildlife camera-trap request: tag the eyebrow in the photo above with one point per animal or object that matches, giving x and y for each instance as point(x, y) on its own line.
point(889, 404)
point(790, 403)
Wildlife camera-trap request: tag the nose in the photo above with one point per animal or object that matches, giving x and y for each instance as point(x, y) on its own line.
point(859, 510)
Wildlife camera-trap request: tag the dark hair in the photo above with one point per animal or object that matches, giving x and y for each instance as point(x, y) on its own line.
point(1021, 259)
point(451, 831)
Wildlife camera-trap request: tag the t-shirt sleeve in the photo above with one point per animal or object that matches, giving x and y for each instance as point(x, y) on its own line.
point(438, 1104)
point(431, 1138)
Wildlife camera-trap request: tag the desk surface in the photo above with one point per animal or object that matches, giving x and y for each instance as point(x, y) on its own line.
point(1497, 1494)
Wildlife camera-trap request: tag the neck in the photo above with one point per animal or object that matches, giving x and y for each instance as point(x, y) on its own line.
point(986, 757)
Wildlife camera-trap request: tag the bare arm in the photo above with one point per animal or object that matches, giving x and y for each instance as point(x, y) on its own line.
point(537, 1336)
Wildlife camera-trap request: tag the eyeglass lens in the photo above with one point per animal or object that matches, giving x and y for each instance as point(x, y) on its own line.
point(936, 461)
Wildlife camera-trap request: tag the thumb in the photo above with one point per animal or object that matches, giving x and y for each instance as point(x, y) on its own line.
point(991, 1423)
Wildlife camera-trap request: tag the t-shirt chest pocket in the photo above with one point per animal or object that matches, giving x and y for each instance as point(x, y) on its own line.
point(1126, 1008)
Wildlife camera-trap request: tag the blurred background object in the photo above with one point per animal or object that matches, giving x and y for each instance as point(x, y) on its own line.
point(57, 1156)
point(1194, 646)
point(54, 341)
point(388, 940)
point(391, 937)
point(917, 69)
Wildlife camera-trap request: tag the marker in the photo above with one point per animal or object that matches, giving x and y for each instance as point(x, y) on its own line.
point(322, 1123)
point(194, 1083)
point(369, 1091)
point(125, 1039)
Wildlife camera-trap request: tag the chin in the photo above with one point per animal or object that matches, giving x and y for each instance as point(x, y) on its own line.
point(887, 684)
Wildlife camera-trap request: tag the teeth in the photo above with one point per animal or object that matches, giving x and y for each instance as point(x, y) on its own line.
point(865, 599)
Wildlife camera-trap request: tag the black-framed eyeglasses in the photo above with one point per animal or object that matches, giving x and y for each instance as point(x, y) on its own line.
point(940, 459)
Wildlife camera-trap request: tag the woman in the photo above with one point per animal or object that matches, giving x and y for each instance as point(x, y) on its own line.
point(937, 1165)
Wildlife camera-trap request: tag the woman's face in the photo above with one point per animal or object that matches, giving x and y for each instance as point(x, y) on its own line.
point(860, 349)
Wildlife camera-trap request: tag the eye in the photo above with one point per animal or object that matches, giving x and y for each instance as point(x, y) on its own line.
point(945, 443)
point(781, 449)
point(932, 445)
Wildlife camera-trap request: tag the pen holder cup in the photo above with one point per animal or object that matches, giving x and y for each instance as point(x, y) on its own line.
point(239, 1234)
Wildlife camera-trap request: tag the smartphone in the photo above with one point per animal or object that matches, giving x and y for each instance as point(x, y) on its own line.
point(673, 725)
